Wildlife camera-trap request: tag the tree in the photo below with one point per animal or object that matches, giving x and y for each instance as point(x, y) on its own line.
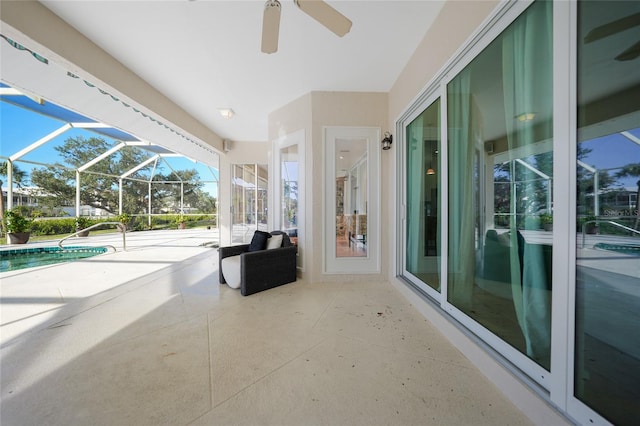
point(166, 196)
point(99, 184)
point(632, 170)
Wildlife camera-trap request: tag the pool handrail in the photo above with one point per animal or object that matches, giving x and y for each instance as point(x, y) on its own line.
point(119, 225)
point(619, 225)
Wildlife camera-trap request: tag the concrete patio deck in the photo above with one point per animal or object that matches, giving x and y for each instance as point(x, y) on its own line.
point(149, 336)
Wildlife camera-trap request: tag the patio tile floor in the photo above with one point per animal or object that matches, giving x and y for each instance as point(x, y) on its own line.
point(149, 336)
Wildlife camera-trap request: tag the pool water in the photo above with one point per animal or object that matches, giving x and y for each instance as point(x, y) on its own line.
point(11, 260)
point(632, 250)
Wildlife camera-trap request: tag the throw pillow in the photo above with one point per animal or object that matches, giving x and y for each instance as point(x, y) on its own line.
point(274, 242)
point(259, 241)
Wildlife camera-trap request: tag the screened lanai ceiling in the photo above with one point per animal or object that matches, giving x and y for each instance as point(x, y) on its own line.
point(40, 106)
point(48, 109)
point(61, 122)
point(71, 98)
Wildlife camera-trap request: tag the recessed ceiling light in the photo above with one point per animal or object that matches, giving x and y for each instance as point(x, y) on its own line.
point(527, 116)
point(226, 112)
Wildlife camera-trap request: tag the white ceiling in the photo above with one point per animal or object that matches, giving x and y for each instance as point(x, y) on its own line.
point(205, 54)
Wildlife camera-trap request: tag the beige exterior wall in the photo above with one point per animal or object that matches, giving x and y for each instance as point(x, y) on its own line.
point(350, 109)
point(312, 112)
point(455, 24)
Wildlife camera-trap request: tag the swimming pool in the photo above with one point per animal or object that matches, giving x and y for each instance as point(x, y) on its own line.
point(632, 250)
point(13, 259)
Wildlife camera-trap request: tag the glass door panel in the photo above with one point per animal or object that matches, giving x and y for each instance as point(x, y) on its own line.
point(607, 342)
point(289, 187)
point(423, 183)
point(500, 158)
point(351, 198)
point(248, 201)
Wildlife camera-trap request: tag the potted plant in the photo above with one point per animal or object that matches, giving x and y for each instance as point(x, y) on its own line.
point(81, 224)
point(546, 221)
point(590, 227)
point(181, 221)
point(124, 219)
point(17, 227)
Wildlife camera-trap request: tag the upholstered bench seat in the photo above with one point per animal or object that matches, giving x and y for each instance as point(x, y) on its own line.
point(231, 270)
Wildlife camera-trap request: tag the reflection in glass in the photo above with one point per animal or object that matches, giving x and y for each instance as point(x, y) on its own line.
point(351, 197)
point(248, 201)
point(423, 182)
point(500, 185)
point(289, 190)
point(607, 344)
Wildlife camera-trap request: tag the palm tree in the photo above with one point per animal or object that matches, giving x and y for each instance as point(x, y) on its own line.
point(633, 170)
point(19, 176)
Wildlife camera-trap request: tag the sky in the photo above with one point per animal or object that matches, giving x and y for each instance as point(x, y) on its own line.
point(613, 152)
point(20, 127)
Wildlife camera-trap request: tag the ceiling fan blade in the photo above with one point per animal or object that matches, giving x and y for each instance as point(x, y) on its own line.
point(613, 27)
point(271, 26)
point(629, 54)
point(326, 15)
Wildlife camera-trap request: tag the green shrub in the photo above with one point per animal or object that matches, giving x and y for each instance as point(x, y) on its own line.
point(53, 226)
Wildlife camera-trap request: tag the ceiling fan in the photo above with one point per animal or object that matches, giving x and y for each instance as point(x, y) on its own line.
point(615, 27)
point(317, 9)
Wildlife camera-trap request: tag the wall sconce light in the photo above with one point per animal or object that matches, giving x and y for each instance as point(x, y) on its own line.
point(387, 141)
point(430, 170)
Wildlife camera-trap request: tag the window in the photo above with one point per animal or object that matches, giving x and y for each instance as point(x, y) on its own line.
point(607, 344)
point(249, 201)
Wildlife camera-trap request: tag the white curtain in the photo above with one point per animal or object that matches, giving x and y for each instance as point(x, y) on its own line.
point(415, 185)
point(461, 154)
point(527, 88)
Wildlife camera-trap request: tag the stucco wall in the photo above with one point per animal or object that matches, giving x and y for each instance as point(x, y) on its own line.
point(312, 113)
point(353, 109)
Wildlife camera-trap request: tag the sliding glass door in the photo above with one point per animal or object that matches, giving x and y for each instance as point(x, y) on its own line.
point(511, 128)
point(607, 343)
point(500, 155)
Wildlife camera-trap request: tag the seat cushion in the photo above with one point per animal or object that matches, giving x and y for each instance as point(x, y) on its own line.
point(231, 271)
point(259, 241)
